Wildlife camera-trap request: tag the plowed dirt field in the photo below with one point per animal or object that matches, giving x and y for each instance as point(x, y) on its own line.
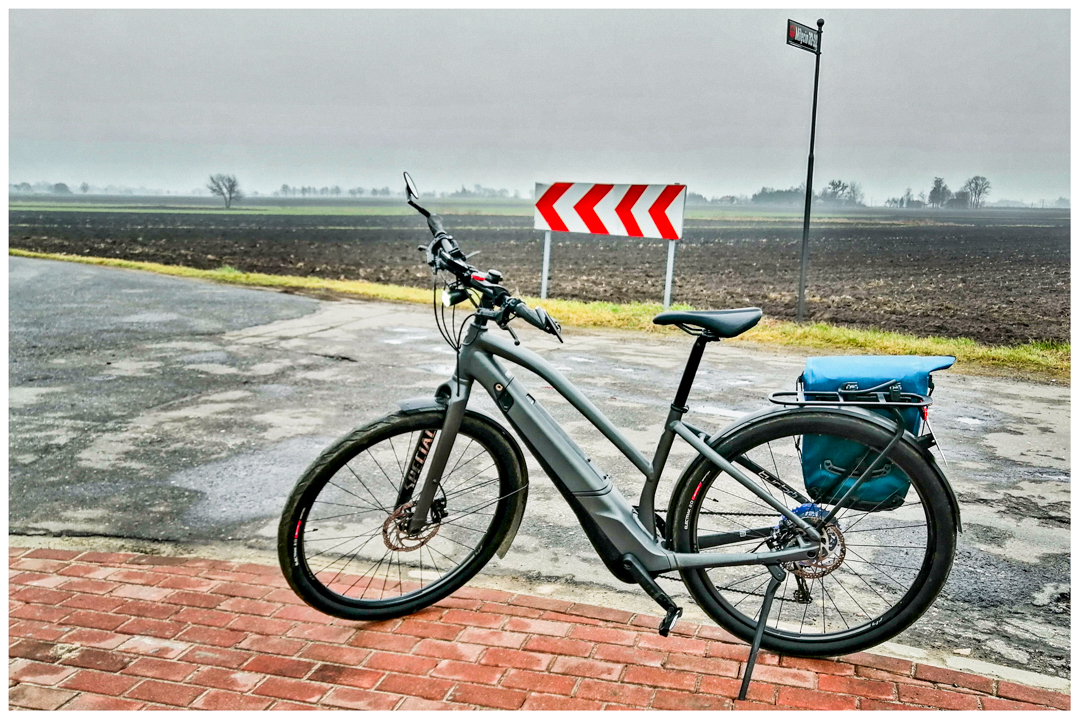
point(995, 276)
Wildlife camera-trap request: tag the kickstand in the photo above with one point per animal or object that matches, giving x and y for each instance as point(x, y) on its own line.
point(778, 576)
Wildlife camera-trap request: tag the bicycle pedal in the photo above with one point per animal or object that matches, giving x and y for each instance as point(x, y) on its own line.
point(669, 621)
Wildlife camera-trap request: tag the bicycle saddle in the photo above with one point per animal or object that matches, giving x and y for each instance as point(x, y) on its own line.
point(718, 323)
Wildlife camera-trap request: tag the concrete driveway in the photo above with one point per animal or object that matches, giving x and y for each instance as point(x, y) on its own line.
point(151, 409)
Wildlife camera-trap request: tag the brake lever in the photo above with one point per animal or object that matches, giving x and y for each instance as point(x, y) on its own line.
point(551, 325)
point(512, 333)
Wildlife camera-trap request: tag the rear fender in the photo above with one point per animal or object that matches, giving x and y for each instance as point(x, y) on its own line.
point(719, 438)
point(438, 404)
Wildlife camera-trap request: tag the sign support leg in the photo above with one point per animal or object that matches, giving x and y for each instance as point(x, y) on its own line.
point(804, 259)
point(670, 273)
point(547, 264)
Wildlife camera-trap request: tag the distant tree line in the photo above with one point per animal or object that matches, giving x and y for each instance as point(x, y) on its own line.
point(478, 191)
point(839, 193)
point(287, 190)
point(971, 195)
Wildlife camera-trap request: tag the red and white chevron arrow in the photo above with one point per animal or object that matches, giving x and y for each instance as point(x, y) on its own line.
point(652, 211)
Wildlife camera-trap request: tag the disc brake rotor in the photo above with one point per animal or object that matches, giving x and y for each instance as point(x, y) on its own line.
point(829, 557)
point(395, 531)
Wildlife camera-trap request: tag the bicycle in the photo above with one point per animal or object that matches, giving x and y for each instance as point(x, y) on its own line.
point(355, 530)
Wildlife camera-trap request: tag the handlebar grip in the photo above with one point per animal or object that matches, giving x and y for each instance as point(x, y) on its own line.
point(537, 318)
point(530, 316)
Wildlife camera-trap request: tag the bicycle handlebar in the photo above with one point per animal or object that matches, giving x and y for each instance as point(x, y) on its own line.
point(434, 223)
point(445, 254)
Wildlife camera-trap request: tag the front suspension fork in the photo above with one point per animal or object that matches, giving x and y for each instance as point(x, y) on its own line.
point(436, 461)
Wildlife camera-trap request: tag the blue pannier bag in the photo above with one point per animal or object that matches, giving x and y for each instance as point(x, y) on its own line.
point(827, 461)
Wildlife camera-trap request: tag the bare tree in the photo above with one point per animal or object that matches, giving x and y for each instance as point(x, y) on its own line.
point(84, 188)
point(226, 187)
point(978, 187)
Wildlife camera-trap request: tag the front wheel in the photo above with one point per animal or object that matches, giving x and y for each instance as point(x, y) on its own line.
point(879, 570)
point(343, 541)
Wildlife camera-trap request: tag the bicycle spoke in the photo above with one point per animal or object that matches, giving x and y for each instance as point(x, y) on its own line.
point(458, 463)
point(351, 558)
point(805, 608)
point(864, 582)
point(898, 527)
point(783, 595)
point(401, 468)
point(373, 497)
point(327, 502)
point(485, 483)
point(388, 480)
point(754, 591)
point(857, 603)
point(344, 539)
point(823, 629)
point(731, 586)
point(889, 565)
point(472, 476)
point(334, 517)
point(368, 586)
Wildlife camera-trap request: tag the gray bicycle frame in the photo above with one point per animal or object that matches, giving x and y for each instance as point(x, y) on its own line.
point(628, 531)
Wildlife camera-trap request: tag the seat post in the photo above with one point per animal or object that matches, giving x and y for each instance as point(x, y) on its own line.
point(690, 371)
point(647, 503)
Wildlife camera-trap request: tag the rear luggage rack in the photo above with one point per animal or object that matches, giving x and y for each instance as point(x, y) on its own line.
point(885, 395)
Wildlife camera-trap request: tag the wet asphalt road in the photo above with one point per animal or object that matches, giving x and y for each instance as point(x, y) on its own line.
point(151, 408)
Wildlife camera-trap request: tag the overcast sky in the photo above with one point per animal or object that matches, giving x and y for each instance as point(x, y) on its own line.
point(710, 98)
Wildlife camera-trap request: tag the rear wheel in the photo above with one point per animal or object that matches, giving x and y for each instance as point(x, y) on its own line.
point(878, 572)
point(343, 541)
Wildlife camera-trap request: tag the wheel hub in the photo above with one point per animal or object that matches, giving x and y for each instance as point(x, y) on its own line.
point(831, 552)
point(395, 531)
point(830, 555)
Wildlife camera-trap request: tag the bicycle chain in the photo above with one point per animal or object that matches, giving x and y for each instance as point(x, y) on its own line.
point(731, 514)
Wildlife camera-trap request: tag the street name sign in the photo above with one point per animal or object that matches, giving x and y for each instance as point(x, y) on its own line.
point(803, 37)
point(652, 211)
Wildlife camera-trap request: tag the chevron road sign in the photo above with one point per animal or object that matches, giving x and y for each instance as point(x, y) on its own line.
point(651, 211)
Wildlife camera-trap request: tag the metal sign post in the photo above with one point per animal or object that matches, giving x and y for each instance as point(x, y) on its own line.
point(547, 264)
point(670, 273)
point(651, 211)
point(808, 39)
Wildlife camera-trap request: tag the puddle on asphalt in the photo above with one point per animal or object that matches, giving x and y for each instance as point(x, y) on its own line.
point(248, 486)
point(150, 317)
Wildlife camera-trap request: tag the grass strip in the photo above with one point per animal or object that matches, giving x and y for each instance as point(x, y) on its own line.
point(1037, 359)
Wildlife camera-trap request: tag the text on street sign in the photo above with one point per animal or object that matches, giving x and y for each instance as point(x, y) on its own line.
point(802, 36)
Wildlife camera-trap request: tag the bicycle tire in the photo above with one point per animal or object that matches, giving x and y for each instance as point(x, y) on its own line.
point(715, 592)
point(333, 472)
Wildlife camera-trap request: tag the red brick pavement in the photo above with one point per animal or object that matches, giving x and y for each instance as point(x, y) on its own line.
point(118, 631)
